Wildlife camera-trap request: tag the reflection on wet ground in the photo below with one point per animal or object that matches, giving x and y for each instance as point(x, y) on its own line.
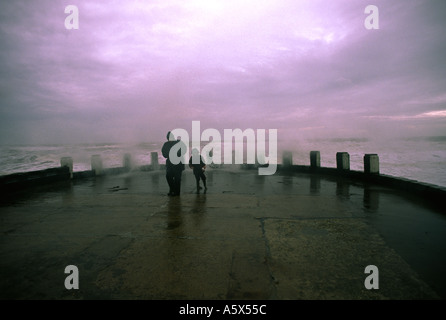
point(286, 236)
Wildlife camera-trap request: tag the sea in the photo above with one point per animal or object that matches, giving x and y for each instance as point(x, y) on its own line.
point(421, 158)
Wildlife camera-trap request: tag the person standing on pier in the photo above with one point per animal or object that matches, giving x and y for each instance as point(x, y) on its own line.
point(198, 167)
point(173, 171)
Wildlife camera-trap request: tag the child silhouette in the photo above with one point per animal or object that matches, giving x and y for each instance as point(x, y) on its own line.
point(197, 164)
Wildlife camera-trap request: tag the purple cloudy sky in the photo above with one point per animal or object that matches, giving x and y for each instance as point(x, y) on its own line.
point(135, 69)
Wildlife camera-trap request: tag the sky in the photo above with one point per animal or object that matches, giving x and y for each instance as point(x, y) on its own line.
point(136, 69)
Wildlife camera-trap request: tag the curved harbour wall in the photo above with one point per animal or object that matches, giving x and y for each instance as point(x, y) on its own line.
point(371, 174)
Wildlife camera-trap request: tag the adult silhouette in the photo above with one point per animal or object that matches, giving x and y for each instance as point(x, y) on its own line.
point(174, 163)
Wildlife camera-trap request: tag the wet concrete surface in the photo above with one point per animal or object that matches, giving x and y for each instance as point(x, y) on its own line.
point(282, 237)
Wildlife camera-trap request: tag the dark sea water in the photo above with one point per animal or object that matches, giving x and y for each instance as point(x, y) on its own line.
point(422, 159)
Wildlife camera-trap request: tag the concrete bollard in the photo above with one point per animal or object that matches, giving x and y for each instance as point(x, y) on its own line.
point(343, 161)
point(315, 159)
point(287, 158)
point(371, 163)
point(127, 161)
point(67, 162)
point(154, 160)
point(96, 164)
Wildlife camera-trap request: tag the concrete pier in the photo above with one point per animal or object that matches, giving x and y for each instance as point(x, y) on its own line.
point(306, 232)
point(287, 236)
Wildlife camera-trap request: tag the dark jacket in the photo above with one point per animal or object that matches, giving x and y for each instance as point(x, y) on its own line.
point(197, 168)
point(165, 150)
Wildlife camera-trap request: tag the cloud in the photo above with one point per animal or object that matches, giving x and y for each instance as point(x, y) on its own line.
point(424, 115)
point(135, 69)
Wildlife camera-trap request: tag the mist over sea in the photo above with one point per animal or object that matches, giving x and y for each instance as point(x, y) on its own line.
point(422, 159)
